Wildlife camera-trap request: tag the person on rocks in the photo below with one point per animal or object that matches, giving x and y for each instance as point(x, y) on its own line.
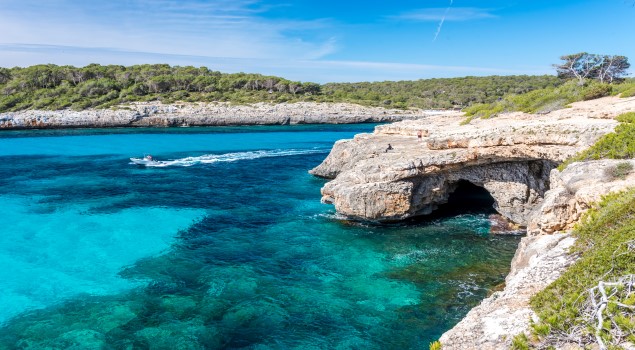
point(389, 148)
point(419, 134)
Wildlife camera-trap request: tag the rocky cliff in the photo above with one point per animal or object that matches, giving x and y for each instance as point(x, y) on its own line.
point(513, 157)
point(541, 256)
point(206, 114)
point(510, 156)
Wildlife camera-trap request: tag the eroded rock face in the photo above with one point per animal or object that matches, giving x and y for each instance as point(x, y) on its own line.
point(574, 190)
point(510, 156)
point(515, 186)
point(491, 325)
point(541, 257)
point(152, 114)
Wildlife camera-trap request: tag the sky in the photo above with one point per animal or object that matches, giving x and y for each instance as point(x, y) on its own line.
point(318, 40)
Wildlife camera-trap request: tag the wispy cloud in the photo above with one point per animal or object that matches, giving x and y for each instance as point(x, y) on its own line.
point(436, 34)
point(221, 28)
point(443, 14)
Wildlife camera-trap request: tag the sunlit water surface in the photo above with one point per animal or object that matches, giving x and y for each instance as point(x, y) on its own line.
point(227, 247)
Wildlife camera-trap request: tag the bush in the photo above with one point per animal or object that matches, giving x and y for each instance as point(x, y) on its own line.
point(435, 345)
point(619, 144)
point(626, 117)
point(520, 342)
point(596, 90)
point(628, 92)
point(605, 239)
point(625, 89)
point(620, 170)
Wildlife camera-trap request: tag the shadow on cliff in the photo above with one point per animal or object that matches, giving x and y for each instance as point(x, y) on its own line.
point(467, 198)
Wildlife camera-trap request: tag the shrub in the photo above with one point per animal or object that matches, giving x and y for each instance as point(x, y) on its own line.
point(628, 92)
point(620, 170)
point(520, 342)
point(596, 90)
point(625, 89)
point(606, 244)
point(435, 345)
point(626, 117)
point(619, 144)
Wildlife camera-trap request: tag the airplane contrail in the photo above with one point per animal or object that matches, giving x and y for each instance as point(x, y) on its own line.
point(442, 20)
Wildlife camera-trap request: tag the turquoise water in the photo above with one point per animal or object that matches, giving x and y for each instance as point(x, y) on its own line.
point(227, 247)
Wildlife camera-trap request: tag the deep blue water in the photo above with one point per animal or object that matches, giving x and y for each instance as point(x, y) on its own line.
point(228, 247)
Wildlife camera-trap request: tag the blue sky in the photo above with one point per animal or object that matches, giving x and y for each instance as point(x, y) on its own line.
point(318, 40)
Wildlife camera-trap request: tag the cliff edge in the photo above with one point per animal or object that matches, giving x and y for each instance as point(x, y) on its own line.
point(513, 157)
point(156, 114)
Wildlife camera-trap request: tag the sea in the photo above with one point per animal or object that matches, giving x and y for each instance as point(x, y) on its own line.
point(226, 246)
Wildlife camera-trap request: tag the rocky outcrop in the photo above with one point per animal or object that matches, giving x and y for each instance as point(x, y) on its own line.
point(492, 324)
point(575, 189)
point(542, 256)
point(207, 114)
point(510, 156)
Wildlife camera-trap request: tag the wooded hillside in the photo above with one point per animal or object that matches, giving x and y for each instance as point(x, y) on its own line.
point(57, 87)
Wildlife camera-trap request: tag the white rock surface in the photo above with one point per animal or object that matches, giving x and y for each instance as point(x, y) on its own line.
point(573, 191)
point(207, 114)
point(510, 156)
point(492, 324)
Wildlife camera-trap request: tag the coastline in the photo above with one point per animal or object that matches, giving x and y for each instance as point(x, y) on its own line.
point(511, 156)
point(516, 137)
point(208, 114)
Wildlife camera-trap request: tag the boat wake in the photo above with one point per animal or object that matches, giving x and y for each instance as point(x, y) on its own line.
point(232, 157)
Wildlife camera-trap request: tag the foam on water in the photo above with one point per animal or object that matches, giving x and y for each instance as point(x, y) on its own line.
point(237, 252)
point(233, 157)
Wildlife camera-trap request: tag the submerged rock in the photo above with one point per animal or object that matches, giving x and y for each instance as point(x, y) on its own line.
point(492, 324)
point(500, 225)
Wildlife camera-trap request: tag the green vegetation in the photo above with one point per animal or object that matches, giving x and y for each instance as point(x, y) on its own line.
point(550, 98)
point(584, 65)
point(620, 171)
point(569, 307)
point(437, 93)
point(520, 342)
point(57, 87)
point(619, 144)
point(436, 345)
point(593, 302)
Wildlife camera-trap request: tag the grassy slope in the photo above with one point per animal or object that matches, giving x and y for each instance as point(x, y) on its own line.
point(605, 242)
point(550, 98)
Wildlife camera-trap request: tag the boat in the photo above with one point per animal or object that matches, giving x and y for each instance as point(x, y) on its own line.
point(147, 161)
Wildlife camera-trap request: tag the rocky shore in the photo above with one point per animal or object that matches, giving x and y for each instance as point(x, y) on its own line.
point(155, 114)
point(514, 157)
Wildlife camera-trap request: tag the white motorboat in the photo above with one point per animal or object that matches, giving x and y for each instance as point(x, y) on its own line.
point(147, 161)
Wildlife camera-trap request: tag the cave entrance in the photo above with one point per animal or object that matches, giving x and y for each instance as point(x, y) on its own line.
point(467, 198)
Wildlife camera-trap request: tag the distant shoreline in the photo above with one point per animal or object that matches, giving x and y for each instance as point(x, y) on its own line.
point(208, 114)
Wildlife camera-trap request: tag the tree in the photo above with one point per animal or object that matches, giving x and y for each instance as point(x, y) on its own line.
point(612, 68)
point(5, 75)
point(583, 65)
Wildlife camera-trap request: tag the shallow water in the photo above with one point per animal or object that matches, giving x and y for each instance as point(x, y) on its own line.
point(227, 247)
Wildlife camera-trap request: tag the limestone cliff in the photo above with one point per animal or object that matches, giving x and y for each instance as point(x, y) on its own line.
point(511, 156)
point(150, 114)
point(541, 257)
